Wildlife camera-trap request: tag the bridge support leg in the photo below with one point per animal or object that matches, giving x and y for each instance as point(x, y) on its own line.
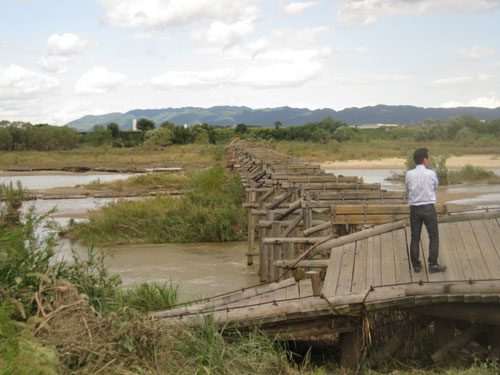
point(251, 226)
point(352, 348)
point(444, 331)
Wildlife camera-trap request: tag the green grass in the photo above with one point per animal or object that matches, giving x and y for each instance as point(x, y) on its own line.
point(186, 156)
point(374, 149)
point(145, 181)
point(48, 328)
point(149, 296)
point(209, 211)
point(466, 174)
point(473, 174)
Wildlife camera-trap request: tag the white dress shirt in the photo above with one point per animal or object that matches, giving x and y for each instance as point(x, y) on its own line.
point(421, 184)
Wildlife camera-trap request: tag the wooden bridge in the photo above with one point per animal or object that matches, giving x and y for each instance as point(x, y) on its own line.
point(364, 274)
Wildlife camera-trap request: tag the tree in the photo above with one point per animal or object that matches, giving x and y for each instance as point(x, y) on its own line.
point(320, 136)
point(167, 124)
point(343, 134)
point(158, 138)
point(241, 129)
point(277, 124)
point(6, 142)
point(145, 124)
point(101, 136)
point(465, 136)
point(494, 128)
point(114, 129)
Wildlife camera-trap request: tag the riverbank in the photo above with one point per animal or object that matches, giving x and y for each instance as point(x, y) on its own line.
point(483, 161)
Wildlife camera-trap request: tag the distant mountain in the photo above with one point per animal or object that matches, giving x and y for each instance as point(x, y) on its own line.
point(229, 115)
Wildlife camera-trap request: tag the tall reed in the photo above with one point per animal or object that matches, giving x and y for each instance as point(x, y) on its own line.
point(210, 210)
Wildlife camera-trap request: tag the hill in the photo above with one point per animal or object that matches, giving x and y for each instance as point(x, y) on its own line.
point(230, 115)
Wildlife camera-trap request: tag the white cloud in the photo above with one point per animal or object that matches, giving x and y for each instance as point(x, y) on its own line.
point(478, 52)
point(66, 44)
point(452, 81)
point(288, 38)
point(280, 74)
point(173, 13)
point(490, 101)
point(360, 13)
point(17, 81)
point(272, 68)
point(54, 64)
point(375, 79)
point(194, 79)
point(223, 33)
point(294, 9)
point(99, 80)
point(286, 57)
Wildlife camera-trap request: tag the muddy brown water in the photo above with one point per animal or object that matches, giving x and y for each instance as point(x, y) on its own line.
point(206, 268)
point(198, 269)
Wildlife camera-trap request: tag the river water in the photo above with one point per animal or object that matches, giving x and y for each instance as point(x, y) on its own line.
point(198, 269)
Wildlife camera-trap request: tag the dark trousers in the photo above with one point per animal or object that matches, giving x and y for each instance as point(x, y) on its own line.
point(425, 214)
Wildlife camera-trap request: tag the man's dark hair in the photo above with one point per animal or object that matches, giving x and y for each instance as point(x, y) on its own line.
point(419, 155)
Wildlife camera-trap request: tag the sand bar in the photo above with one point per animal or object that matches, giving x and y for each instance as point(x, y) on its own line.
point(483, 161)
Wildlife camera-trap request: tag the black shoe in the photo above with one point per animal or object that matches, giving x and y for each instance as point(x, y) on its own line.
point(436, 268)
point(417, 268)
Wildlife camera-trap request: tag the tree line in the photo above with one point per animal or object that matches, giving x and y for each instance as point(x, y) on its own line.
point(44, 137)
point(41, 137)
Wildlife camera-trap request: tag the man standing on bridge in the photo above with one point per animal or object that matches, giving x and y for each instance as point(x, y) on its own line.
point(421, 184)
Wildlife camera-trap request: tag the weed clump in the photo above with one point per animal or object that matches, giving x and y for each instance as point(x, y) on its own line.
point(73, 318)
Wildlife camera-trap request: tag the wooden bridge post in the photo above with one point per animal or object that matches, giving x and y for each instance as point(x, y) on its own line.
point(262, 247)
point(251, 224)
point(352, 347)
point(274, 253)
point(314, 276)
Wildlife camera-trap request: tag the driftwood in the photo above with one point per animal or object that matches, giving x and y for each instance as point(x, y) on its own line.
point(458, 342)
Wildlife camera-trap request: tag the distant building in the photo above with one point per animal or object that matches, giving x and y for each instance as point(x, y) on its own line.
point(376, 126)
point(134, 124)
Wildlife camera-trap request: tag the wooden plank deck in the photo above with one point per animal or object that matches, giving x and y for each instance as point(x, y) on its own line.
point(470, 250)
point(366, 274)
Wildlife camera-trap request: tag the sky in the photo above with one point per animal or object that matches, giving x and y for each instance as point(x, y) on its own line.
point(63, 59)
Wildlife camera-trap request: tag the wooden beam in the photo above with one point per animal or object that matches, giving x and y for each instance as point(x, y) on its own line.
point(475, 312)
point(302, 240)
point(362, 235)
point(317, 228)
point(314, 263)
point(475, 287)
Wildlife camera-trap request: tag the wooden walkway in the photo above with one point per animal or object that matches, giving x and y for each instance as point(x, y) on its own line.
point(369, 271)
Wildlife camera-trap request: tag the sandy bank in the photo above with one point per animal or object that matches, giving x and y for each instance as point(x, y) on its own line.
point(484, 161)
